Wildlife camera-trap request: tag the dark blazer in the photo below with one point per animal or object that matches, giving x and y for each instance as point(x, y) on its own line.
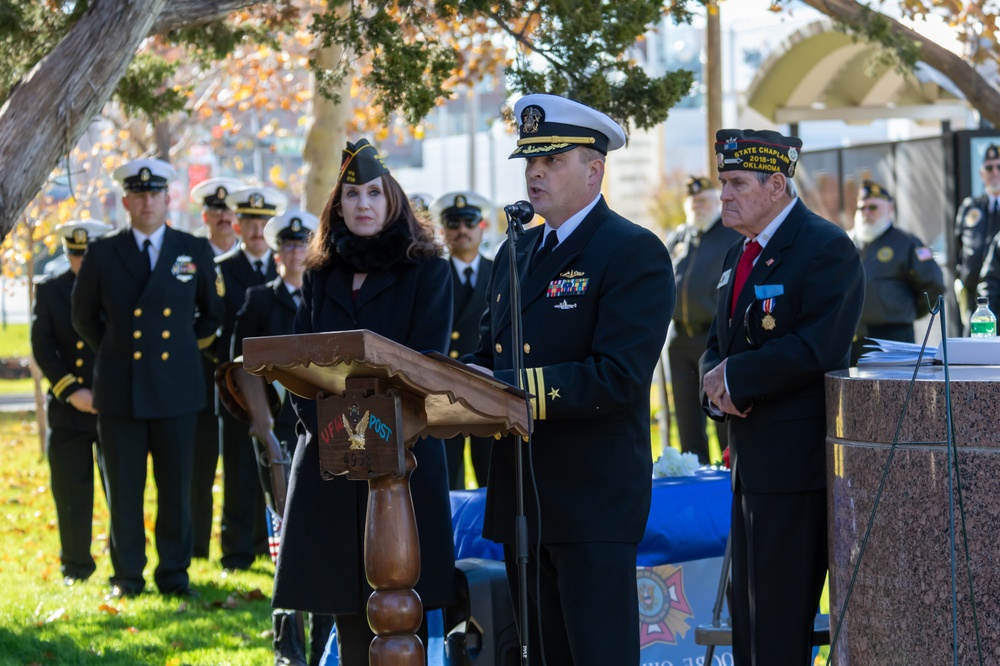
point(269, 310)
point(780, 446)
point(66, 361)
point(239, 275)
point(468, 311)
point(698, 260)
point(975, 228)
point(320, 566)
point(595, 315)
point(148, 333)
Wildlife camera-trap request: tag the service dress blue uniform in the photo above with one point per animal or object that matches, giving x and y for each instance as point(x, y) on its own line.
point(148, 329)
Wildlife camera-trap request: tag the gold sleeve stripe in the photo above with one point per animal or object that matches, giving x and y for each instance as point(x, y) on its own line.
point(531, 390)
point(63, 384)
point(205, 343)
point(540, 385)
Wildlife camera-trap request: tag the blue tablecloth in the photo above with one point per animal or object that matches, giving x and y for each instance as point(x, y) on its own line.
point(688, 520)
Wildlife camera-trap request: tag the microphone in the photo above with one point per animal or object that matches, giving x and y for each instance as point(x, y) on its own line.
point(520, 212)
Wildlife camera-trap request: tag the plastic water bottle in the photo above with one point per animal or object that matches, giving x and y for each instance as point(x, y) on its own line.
point(984, 322)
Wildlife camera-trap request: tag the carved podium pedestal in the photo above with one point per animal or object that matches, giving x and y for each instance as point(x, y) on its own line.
point(374, 399)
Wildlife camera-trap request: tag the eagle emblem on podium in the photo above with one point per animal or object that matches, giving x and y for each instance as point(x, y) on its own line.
point(356, 437)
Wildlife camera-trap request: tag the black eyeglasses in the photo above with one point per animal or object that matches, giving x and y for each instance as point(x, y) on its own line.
point(871, 208)
point(991, 167)
point(457, 222)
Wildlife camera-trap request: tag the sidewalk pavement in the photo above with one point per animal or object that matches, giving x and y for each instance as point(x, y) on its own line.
point(17, 402)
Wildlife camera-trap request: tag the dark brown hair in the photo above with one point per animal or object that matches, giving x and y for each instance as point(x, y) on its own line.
point(399, 210)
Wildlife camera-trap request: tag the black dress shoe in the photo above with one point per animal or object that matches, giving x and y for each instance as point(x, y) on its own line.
point(185, 592)
point(123, 591)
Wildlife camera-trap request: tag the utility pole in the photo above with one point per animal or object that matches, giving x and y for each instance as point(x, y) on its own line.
point(713, 81)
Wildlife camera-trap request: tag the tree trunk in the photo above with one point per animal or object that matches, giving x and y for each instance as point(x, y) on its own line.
point(325, 138)
point(979, 93)
point(46, 114)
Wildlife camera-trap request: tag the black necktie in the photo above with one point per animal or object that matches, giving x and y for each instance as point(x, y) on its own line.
point(297, 297)
point(146, 263)
point(259, 268)
point(545, 250)
point(468, 280)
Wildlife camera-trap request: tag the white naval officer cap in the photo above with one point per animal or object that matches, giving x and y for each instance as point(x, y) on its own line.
point(76, 234)
point(549, 124)
point(293, 224)
point(257, 201)
point(144, 175)
point(212, 193)
point(457, 206)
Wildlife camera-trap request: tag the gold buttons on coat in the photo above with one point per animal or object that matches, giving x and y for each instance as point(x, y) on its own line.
point(79, 344)
point(527, 348)
point(166, 312)
point(453, 353)
point(165, 355)
point(79, 379)
point(137, 355)
point(499, 348)
point(79, 362)
point(136, 334)
point(455, 335)
point(137, 312)
point(165, 334)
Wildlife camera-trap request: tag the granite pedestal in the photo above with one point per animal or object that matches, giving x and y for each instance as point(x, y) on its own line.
point(900, 611)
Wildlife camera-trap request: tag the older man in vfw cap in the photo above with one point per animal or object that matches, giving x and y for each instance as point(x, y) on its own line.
point(976, 226)
point(697, 249)
point(218, 217)
point(249, 264)
point(790, 299)
point(269, 309)
point(71, 439)
point(461, 215)
point(597, 293)
point(148, 299)
point(899, 270)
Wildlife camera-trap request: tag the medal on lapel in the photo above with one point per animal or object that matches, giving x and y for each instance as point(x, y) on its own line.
point(767, 323)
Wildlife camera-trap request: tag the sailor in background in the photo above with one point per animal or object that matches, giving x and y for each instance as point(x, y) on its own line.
point(148, 300)
point(249, 264)
point(71, 440)
point(460, 215)
point(219, 219)
point(899, 270)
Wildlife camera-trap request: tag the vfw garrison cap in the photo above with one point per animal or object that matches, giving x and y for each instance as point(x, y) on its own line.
point(756, 150)
point(212, 193)
point(459, 206)
point(76, 234)
point(992, 153)
point(871, 190)
point(257, 201)
point(293, 225)
point(549, 124)
point(697, 185)
point(361, 163)
point(144, 175)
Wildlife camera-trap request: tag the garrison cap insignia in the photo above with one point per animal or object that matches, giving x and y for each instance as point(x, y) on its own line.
point(992, 153)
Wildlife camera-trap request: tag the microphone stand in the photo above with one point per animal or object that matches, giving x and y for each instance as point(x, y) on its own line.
point(514, 229)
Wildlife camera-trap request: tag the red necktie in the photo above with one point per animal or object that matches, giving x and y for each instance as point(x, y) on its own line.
point(750, 252)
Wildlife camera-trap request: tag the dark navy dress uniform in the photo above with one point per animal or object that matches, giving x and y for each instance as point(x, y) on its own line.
point(899, 269)
point(71, 440)
point(149, 330)
point(697, 257)
point(244, 533)
point(975, 227)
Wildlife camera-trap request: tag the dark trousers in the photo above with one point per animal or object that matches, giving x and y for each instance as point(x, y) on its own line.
point(354, 636)
point(244, 532)
point(587, 599)
point(127, 444)
point(71, 465)
point(206, 461)
point(779, 565)
point(479, 450)
point(684, 352)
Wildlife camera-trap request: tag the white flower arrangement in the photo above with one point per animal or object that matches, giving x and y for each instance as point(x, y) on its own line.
point(675, 463)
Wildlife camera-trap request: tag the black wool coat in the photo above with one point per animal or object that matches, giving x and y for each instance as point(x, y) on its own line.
point(320, 564)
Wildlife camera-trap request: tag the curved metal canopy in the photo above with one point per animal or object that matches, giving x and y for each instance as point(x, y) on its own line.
point(821, 74)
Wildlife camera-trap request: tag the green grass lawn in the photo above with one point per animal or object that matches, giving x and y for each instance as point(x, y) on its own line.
point(14, 341)
point(43, 622)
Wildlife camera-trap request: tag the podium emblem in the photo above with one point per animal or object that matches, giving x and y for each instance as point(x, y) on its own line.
point(357, 437)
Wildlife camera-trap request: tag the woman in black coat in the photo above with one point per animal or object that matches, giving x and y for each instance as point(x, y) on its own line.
point(371, 265)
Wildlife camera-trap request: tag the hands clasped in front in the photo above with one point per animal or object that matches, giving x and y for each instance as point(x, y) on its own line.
point(715, 388)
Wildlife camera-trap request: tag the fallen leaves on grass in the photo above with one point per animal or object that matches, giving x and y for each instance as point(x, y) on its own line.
point(110, 610)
